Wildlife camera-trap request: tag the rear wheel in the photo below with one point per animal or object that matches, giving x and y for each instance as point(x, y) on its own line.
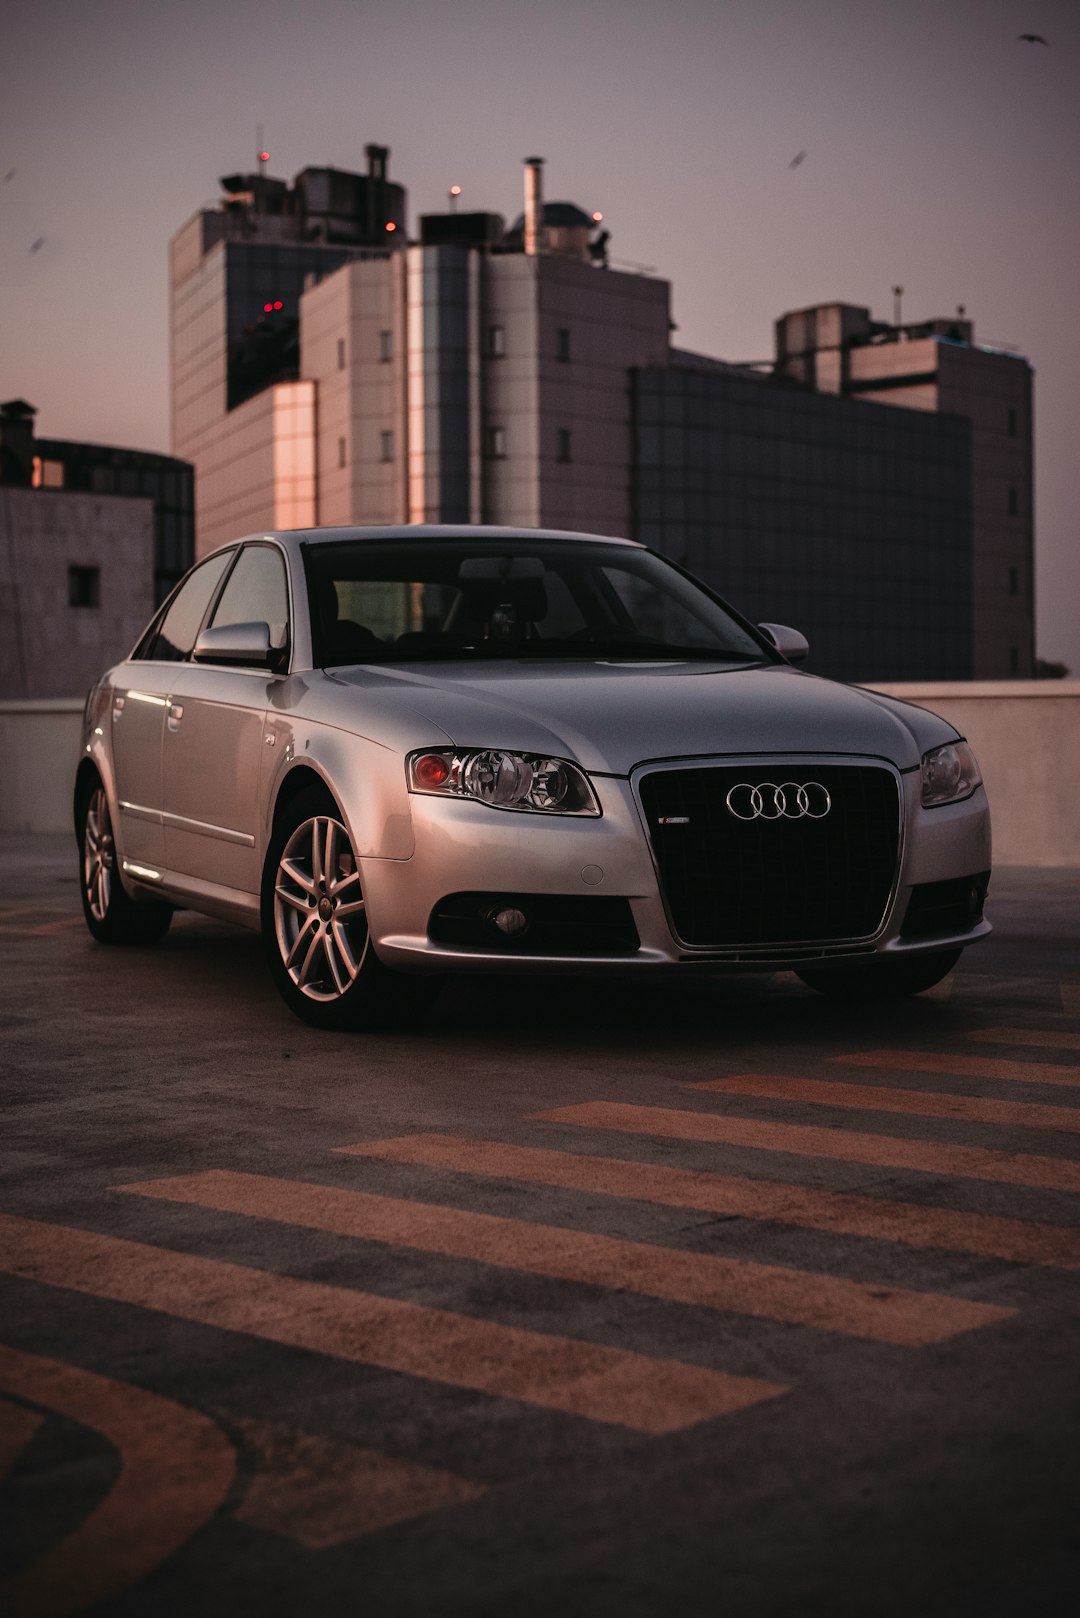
point(112, 915)
point(315, 927)
point(888, 978)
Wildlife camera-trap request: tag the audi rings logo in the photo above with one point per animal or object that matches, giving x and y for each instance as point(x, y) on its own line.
point(784, 801)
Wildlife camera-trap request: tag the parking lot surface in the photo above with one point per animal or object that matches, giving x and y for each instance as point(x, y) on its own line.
point(587, 1298)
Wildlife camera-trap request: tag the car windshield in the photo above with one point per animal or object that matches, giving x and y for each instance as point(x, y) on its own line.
point(406, 600)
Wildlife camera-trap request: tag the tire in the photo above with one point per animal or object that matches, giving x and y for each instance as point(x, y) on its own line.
point(884, 979)
point(112, 915)
point(315, 931)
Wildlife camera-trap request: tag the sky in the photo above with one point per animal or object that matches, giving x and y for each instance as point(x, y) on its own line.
point(942, 154)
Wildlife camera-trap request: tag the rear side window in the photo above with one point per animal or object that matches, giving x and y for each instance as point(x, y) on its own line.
point(174, 638)
point(256, 593)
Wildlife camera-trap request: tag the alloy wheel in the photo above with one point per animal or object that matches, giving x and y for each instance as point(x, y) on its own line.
point(319, 914)
point(99, 855)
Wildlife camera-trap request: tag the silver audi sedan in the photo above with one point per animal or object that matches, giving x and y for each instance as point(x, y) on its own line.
point(405, 752)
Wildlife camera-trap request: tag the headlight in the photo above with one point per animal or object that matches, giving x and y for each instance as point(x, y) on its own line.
point(526, 781)
point(949, 773)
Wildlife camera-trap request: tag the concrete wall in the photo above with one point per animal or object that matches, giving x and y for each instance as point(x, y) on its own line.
point(39, 744)
point(1026, 735)
point(48, 647)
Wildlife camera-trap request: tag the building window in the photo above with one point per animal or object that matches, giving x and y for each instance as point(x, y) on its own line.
point(341, 353)
point(496, 342)
point(1014, 503)
point(496, 443)
point(46, 474)
point(1012, 423)
point(1014, 582)
point(84, 587)
point(564, 445)
point(341, 452)
point(386, 446)
point(386, 346)
point(1014, 660)
point(562, 345)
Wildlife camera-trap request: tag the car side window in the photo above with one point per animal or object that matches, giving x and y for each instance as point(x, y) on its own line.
point(256, 593)
point(174, 638)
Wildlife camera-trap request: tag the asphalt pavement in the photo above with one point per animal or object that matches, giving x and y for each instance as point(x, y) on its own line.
point(584, 1298)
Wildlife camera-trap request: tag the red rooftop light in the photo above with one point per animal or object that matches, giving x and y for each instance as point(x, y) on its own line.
point(264, 157)
point(268, 308)
point(391, 225)
point(279, 304)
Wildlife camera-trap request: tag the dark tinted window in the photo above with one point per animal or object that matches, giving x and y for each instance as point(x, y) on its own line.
point(256, 593)
point(175, 635)
point(474, 598)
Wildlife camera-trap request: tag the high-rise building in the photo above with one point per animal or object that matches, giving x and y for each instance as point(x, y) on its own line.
point(936, 365)
point(329, 369)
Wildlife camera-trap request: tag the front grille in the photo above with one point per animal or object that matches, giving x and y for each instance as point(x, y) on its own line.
point(738, 883)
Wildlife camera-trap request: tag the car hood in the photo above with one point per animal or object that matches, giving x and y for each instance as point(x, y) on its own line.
point(609, 717)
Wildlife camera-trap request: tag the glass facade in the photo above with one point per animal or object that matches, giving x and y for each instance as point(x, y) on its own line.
point(851, 522)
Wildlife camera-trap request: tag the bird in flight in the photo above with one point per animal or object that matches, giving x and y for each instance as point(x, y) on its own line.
point(796, 160)
point(38, 245)
point(1033, 39)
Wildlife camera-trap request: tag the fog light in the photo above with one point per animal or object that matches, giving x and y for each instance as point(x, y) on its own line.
point(510, 922)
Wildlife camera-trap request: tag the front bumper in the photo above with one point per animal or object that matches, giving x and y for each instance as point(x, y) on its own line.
point(463, 846)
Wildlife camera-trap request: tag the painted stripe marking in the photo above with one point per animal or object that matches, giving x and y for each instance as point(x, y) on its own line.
point(845, 1213)
point(176, 1470)
point(318, 1493)
point(966, 1067)
point(803, 1140)
point(910, 1103)
point(560, 1373)
point(1061, 1039)
point(772, 1292)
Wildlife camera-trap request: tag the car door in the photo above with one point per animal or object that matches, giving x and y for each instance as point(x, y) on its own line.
point(140, 699)
point(213, 736)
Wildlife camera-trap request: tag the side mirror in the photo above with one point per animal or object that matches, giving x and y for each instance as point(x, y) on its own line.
point(244, 644)
point(788, 642)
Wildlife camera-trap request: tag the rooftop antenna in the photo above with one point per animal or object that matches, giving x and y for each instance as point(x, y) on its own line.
point(898, 293)
point(454, 193)
point(261, 153)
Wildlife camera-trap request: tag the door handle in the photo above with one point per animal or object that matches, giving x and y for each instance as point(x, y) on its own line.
point(175, 714)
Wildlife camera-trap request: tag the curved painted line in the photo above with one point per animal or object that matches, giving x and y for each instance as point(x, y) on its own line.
point(176, 1468)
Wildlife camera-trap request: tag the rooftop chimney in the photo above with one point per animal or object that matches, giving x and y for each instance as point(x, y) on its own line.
point(534, 204)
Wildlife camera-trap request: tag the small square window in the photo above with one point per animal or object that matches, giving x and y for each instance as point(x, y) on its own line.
point(386, 446)
point(563, 450)
point(84, 586)
point(562, 344)
point(386, 346)
point(1012, 423)
point(341, 449)
point(341, 353)
point(496, 443)
point(496, 342)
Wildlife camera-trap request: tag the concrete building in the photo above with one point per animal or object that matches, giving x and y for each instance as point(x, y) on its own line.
point(91, 537)
point(328, 369)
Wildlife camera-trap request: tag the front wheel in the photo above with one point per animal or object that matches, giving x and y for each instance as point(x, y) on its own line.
point(112, 915)
point(886, 978)
point(315, 927)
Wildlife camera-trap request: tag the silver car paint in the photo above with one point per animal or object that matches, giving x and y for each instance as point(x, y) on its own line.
point(229, 738)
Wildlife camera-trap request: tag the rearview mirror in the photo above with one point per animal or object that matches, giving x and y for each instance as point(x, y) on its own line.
point(246, 644)
point(788, 642)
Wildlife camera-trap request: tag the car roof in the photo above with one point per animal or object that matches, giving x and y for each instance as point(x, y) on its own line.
point(427, 531)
